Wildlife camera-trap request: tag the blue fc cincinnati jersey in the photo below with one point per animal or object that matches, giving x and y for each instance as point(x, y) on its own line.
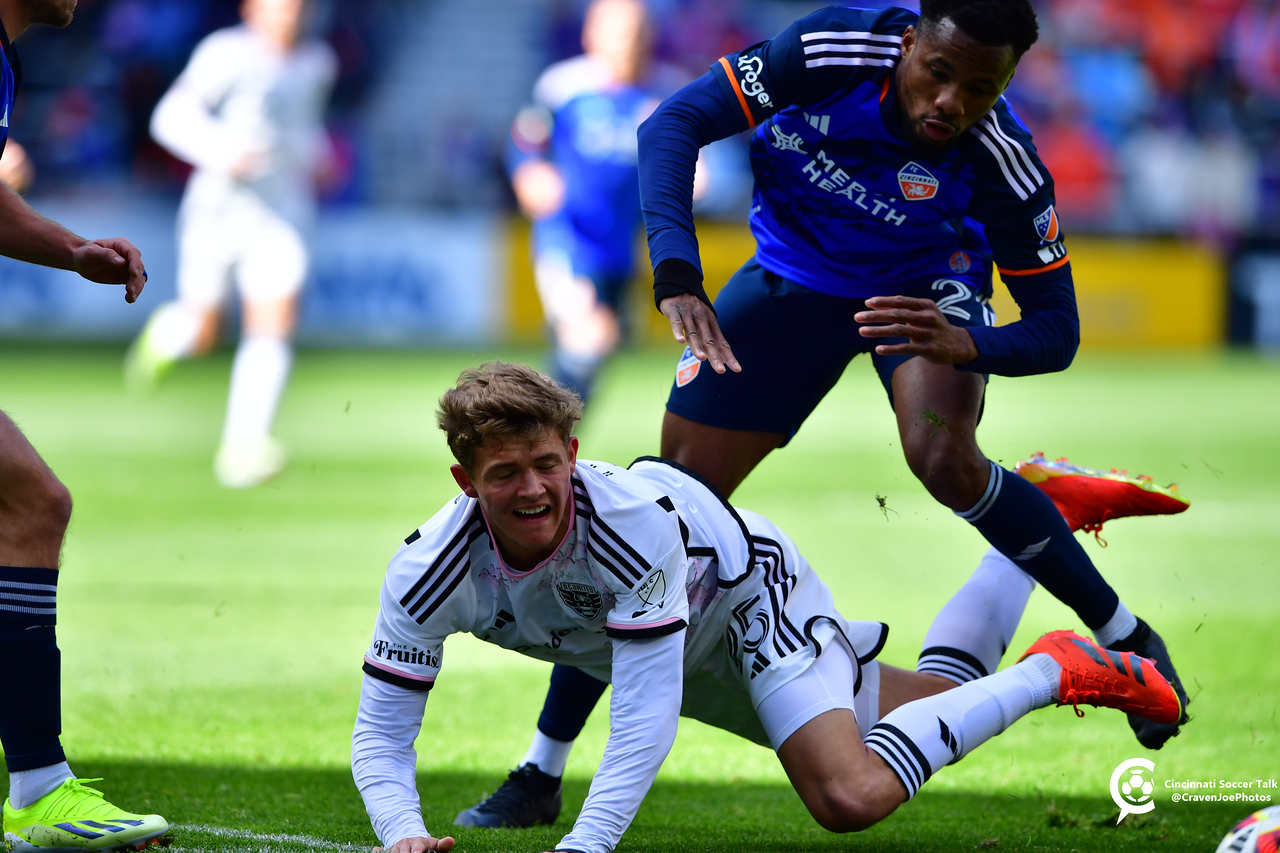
point(843, 204)
point(588, 130)
point(10, 76)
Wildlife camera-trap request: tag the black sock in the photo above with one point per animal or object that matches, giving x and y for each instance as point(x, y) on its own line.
point(31, 668)
point(1024, 525)
point(572, 696)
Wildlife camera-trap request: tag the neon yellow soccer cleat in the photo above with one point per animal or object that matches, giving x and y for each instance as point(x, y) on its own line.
point(74, 818)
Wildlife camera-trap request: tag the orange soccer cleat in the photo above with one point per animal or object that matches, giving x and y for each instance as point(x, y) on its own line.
point(1091, 675)
point(1088, 497)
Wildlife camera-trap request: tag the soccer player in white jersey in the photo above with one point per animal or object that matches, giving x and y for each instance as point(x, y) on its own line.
point(48, 808)
point(645, 577)
point(247, 113)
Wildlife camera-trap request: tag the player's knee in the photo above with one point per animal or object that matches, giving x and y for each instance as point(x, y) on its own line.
point(947, 466)
point(52, 505)
point(39, 512)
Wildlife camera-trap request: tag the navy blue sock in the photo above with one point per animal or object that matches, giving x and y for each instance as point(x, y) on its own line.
point(30, 668)
point(569, 702)
point(1024, 525)
point(577, 372)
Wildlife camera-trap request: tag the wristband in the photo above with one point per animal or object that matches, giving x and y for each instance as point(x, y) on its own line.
point(674, 277)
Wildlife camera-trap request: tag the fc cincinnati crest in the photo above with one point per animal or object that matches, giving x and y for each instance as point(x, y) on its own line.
point(960, 262)
point(581, 598)
point(1047, 225)
point(916, 183)
point(687, 368)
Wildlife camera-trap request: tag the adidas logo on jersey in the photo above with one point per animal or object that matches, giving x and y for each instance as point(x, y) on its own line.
point(818, 123)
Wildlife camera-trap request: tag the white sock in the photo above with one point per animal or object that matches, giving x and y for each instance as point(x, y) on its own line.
point(972, 631)
point(920, 738)
point(257, 380)
point(27, 786)
point(1119, 626)
point(548, 753)
point(174, 331)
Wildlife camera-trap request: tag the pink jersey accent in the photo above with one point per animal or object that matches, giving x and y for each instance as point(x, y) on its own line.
point(382, 666)
point(497, 552)
point(645, 627)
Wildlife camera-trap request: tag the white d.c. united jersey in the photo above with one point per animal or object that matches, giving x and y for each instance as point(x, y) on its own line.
point(619, 573)
point(241, 95)
point(651, 552)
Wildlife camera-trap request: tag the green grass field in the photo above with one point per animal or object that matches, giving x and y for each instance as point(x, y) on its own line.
point(212, 639)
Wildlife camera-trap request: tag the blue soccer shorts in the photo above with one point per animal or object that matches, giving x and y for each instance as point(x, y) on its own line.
point(794, 343)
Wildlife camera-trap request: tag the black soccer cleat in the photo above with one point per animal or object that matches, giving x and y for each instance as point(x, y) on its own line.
point(1147, 643)
point(529, 797)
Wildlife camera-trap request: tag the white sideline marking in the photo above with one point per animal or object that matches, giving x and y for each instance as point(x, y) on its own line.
point(272, 837)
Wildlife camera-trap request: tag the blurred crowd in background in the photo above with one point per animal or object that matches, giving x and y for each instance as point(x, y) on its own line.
point(1155, 116)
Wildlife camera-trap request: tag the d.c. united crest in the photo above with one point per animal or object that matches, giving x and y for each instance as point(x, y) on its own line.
point(916, 183)
point(581, 598)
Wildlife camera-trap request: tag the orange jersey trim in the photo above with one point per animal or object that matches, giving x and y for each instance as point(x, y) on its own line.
point(1052, 266)
point(737, 90)
point(884, 90)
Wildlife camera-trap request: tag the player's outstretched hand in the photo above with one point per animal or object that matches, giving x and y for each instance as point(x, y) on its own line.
point(418, 845)
point(112, 261)
point(929, 333)
point(694, 323)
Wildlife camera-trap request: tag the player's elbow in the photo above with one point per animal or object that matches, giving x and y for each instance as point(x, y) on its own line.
point(846, 811)
point(1068, 346)
point(650, 129)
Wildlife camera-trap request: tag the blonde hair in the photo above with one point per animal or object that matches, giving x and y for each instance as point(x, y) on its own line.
point(498, 401)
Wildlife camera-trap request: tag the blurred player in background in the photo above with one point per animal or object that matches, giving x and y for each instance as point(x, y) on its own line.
point(47, 806)
point(247, 112)
point(573, 169)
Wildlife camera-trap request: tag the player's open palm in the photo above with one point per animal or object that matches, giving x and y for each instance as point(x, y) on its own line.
point(112, 261)
point(418, 845)
point(694, 324)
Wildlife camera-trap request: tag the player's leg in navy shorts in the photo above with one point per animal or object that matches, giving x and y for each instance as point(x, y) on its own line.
point(793, 344)
point(937, 409)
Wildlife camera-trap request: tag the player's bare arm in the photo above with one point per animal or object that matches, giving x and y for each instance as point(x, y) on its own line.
point(929, 333)
point(27, 236)
point(694, 323)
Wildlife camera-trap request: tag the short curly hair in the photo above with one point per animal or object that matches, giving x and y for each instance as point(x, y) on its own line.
point(498, 401)
point(991, 22)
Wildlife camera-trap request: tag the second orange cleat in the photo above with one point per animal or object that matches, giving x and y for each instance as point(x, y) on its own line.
point(1092, 675)
point(1089, 497)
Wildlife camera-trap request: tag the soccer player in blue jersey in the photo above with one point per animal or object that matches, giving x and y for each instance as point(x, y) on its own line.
point(574, 171)
point(892, 180)
point(47, 806)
